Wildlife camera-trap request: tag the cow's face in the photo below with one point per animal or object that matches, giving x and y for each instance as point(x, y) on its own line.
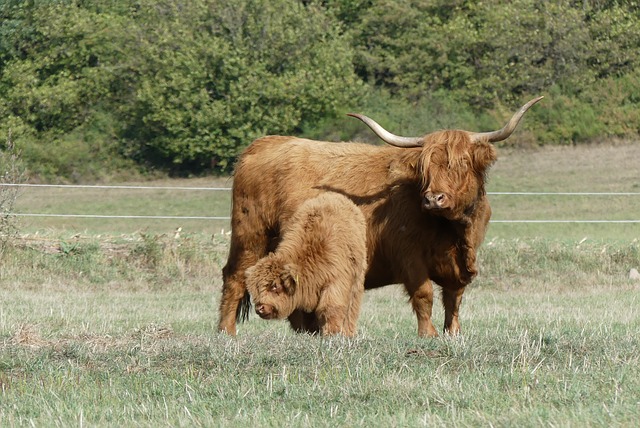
point(271, 286)
point(452, 164)
point(453, 171)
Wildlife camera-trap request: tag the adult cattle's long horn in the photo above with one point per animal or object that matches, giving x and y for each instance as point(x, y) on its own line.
point(386, 136)
point(504, 133)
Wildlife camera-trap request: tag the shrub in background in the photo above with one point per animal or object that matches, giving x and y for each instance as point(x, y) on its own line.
point(11, 172)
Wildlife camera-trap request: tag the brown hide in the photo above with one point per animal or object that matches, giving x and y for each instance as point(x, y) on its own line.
point(405, 244)
point(425, 208)
point(318, 267)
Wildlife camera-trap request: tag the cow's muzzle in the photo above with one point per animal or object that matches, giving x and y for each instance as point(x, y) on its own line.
point(266, 311)
point(435, 201)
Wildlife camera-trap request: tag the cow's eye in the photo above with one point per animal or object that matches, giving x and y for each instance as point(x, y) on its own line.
point(273, 288)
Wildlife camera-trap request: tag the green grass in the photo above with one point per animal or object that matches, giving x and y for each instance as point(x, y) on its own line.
point(597, 168)
point(119, 329)
point(128, 202)
point(550, 338)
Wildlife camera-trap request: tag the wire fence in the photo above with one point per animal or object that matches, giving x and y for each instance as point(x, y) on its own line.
point(226, 189)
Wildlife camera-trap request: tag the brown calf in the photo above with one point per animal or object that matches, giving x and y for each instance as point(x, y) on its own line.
point(318, 268)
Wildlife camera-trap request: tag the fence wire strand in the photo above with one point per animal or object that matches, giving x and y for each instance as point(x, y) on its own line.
point(180, 188)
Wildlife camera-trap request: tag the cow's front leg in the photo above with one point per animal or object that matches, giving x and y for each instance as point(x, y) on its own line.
point(422, 303)
point(451, 300)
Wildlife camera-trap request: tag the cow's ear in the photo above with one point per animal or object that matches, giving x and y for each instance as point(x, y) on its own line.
point(484, 155)
point(289, 279)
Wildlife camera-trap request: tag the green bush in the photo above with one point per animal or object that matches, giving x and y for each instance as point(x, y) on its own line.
point(437, 111)
point(90, 88)
point(185, 86)
point(11, 172)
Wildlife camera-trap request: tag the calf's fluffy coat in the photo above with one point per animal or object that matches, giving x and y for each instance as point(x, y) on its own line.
point(318, 268)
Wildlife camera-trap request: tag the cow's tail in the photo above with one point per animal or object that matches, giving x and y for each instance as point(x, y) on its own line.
point(244, 308)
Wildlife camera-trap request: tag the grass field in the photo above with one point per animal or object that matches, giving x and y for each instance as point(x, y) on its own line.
point(163, 201)
point(113, 323)
point(596, 169)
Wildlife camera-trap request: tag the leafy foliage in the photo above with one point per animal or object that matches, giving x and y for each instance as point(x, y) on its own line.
point(176, 85)
point(494, 50)
point(253, 67)
point(11, 173)
point(92, 86)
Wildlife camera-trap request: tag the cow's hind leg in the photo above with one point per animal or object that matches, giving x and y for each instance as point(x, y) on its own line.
point(247, 247)
point(235, 302)
point(451, 300)
point(422, 303)
point(233, 292)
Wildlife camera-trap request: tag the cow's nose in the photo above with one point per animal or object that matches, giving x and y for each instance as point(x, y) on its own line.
point(434, 201)
point(260, 309)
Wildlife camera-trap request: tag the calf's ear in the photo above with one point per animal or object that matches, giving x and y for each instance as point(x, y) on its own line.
point(289, 279)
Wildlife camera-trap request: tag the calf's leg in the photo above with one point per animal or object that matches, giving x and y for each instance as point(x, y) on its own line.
point(332, 321)
point(333, 308)
point(353, 310)
point(304, 322)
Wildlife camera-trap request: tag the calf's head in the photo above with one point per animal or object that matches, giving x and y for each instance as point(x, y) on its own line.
point(271, 285)
point(451, 165)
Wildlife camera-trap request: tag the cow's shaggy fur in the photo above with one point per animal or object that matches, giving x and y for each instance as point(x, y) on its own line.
point(425, 207)
point(318, 268)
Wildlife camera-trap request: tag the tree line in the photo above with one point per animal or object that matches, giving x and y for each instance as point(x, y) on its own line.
point(92, 87)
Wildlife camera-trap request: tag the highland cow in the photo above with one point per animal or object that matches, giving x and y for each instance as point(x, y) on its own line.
point(318, 268)
point(423, 199)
